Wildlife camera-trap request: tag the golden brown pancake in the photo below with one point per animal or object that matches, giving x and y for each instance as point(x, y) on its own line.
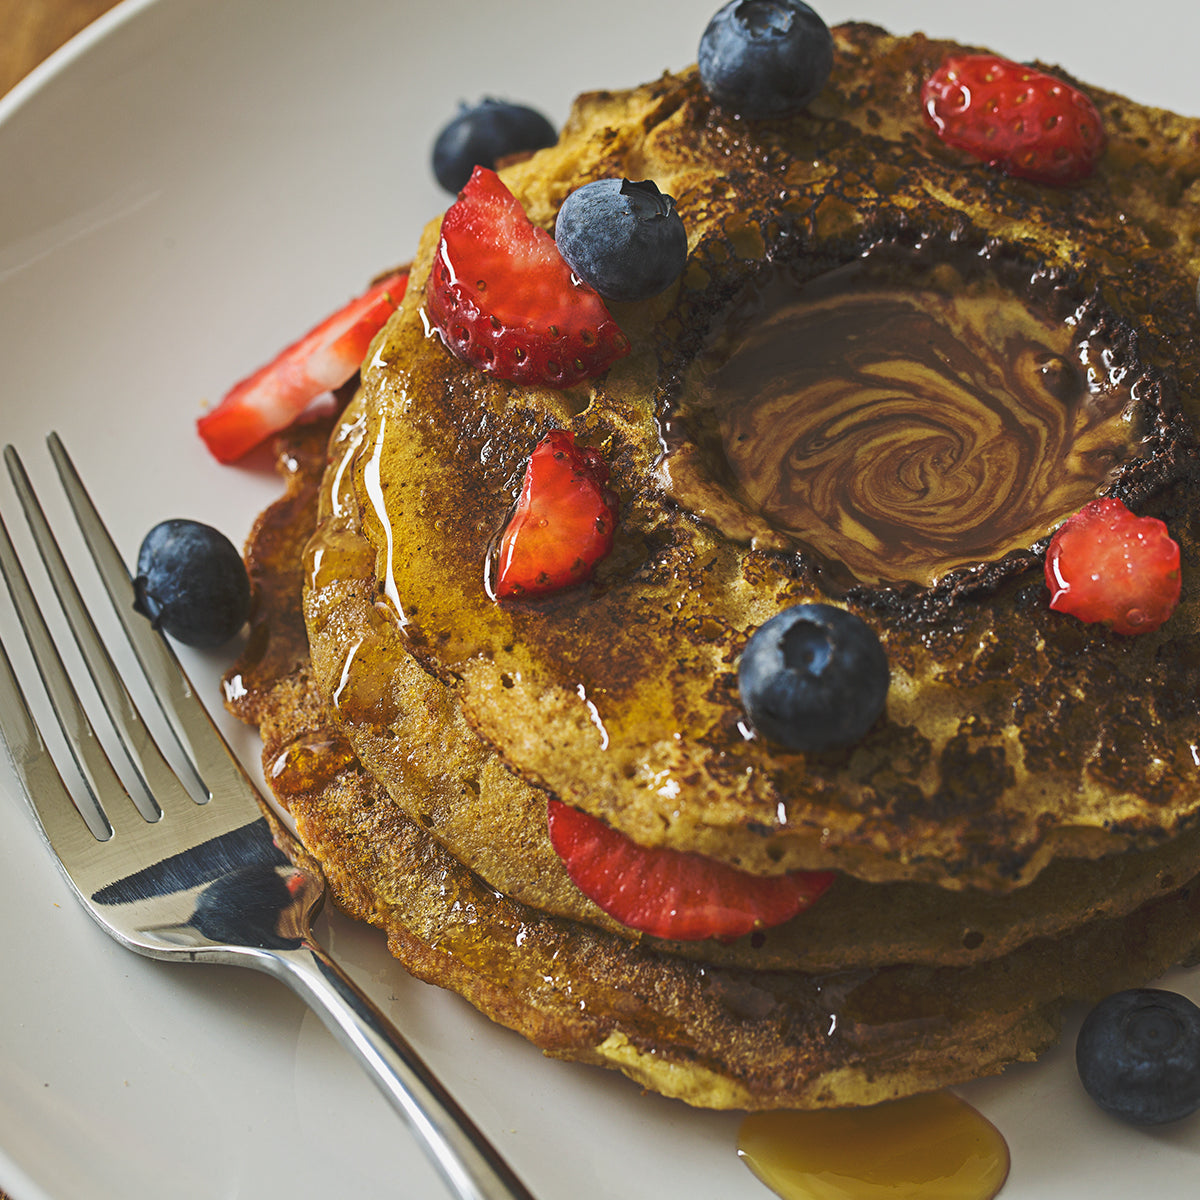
point(716, 1036)
point(1013, 735)
point(1017, 830)
point(451, 782)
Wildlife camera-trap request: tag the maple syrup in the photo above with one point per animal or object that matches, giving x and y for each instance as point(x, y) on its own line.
point(935, 1147)
point(309, 762)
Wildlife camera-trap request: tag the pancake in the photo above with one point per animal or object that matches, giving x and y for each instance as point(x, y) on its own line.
point(711, 1035)
point(1018, 830)
point(453, 784)
point(1013, 736)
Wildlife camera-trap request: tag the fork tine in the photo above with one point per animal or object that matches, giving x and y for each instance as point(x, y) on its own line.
point(60, 821)
point(161, 783)
point(116, 818)
point(97, 771)
point(218, 769)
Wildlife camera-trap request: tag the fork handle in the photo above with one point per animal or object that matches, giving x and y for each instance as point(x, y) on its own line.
point(466, 1160)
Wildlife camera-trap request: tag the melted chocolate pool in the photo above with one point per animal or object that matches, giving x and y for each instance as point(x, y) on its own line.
point(898, 417)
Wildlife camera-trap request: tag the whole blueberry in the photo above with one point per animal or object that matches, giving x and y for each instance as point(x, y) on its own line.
point(191, 583)
point(484, 134)
point(1138, 1056)
point(765, 58)
point(623, 238)
point(813, 677)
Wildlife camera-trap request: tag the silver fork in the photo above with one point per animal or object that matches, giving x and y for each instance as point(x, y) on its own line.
point(194, 882)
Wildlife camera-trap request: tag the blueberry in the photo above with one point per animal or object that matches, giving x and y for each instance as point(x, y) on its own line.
point(623, 238)
point(813, 677)
point(482, 135)
point(191, 583)
point(1138, 1056)
point(765, 58)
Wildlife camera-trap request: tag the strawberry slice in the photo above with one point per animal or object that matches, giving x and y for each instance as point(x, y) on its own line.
point(323, 359)
point(1104, 564)
point(1023, 121)
point(564, 521)
point(504, 299)
point(672, 893)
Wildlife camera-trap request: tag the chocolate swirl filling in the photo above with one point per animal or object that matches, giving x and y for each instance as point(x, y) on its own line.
point(898, 417)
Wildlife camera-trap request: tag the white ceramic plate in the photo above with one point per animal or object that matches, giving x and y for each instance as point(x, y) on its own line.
point(187, 186)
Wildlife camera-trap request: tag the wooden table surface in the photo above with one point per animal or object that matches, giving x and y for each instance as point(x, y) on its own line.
point(31, 30)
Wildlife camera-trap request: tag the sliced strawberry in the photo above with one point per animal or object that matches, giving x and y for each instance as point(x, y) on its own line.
point(564, 521)
point(1021, 120)
point(671, 893)
point(504, 299)
point(1106, 565)
point(323, 359)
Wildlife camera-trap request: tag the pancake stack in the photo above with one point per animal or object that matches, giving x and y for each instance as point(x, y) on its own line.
point(1020, 828)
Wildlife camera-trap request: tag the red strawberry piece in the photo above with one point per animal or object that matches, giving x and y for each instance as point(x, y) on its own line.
point(672, 893)
point(1023, 121)
point(1105, 564)
point(323, 359)
point(563, 523)
point(504, 299)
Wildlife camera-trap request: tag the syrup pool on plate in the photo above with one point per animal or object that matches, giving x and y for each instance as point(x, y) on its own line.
point(931, 1147)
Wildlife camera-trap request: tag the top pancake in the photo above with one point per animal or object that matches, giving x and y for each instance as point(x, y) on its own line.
point(1012, 734)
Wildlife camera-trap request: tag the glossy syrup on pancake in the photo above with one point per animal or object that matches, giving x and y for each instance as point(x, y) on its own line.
point(909, 413)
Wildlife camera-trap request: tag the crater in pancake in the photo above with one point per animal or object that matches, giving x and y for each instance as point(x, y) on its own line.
point(910, 412)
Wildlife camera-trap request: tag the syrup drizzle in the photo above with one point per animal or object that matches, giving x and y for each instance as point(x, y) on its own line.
point(930, 1147)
